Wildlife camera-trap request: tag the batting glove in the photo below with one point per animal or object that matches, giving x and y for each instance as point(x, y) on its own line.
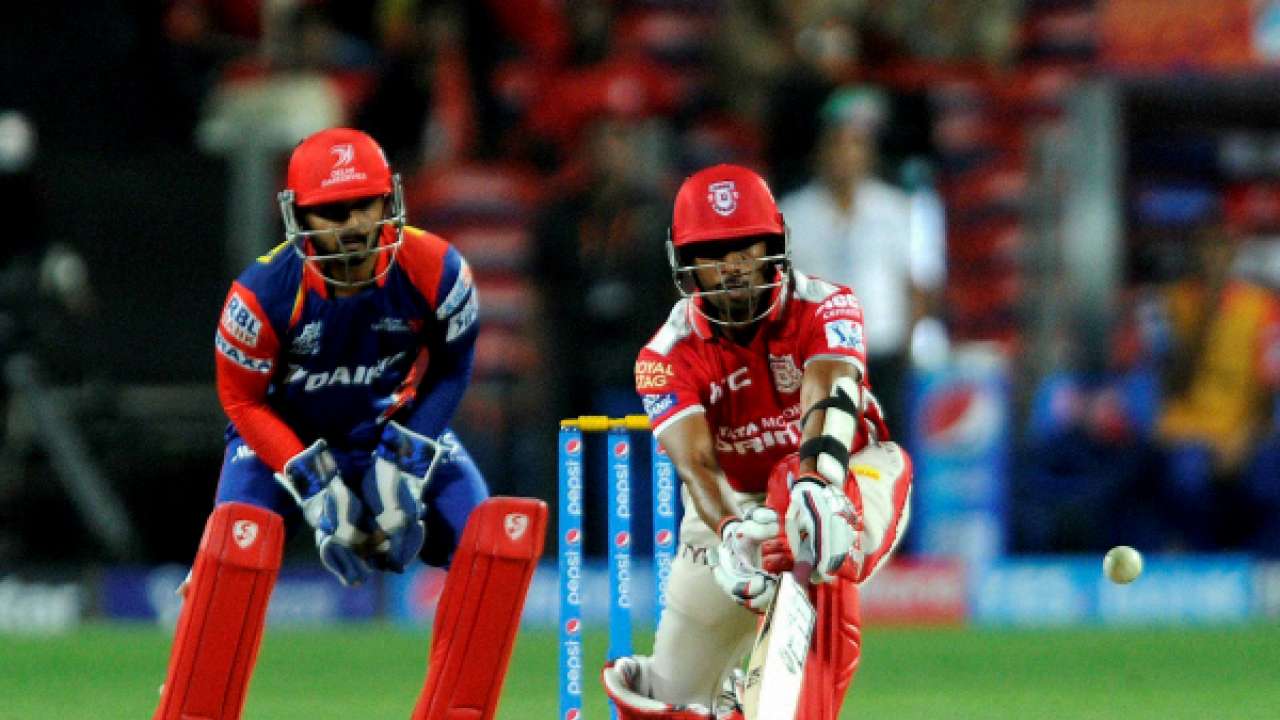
point(736, 562)
point(329, 507)
point(402, 466)
point(821, 526)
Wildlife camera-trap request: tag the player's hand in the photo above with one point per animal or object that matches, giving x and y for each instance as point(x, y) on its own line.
point(402, 466)
point(736, 564)
point(329, 507)
point(775, 555)
point(821, 526)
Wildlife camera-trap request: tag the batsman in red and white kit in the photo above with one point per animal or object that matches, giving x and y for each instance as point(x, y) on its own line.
point(341, 357)
point(756, 386)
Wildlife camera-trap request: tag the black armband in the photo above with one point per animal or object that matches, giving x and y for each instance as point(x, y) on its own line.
point(840, 401)
point(824, 444)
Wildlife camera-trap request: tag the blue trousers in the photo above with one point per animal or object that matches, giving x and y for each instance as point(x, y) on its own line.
point(456, 488)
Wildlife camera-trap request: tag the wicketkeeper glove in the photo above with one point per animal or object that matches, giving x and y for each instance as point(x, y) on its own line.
point(736, 563)
point(821, 526)
point(330, 507)
point(402, 466)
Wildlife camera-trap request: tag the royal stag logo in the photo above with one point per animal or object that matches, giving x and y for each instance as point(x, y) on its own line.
point(345, 154)
point(515, 524)
point(244, 532)
point(723, 197)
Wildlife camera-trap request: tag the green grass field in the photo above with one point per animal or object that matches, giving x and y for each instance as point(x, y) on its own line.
point(375, 671)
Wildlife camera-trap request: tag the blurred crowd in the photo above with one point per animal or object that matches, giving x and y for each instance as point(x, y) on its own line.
point(546, 137)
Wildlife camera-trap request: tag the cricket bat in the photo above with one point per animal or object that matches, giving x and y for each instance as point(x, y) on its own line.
point(775, 671)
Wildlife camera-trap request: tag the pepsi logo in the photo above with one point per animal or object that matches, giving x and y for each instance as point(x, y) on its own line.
point(661, 450)
point(664, 538)
point(621, 449)
point(622, 539)
point(572, 626)
point(573, 714)
point(573, 447)
point(573, 536)
point(965, 416)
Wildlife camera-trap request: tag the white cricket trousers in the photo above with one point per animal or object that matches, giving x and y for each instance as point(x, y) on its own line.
point(703, 633)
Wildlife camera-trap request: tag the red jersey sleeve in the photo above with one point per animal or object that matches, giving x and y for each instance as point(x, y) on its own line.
point(246, 349)
point(666, 388)
point(833, 330)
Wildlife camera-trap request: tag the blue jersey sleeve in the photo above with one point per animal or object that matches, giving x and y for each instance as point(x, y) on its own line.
point(457, 305)
point(457, 313)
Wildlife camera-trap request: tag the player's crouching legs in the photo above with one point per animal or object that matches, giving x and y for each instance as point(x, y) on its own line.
point(456, 488)
point(220, 627)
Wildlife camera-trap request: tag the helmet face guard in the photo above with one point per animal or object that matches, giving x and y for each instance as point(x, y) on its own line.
point(775, 266)
point(394, 216)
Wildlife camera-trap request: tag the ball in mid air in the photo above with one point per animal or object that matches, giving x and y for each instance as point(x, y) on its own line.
point(1122, 564)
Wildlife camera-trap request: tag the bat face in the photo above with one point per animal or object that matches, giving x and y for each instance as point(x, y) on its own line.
point(775, 672)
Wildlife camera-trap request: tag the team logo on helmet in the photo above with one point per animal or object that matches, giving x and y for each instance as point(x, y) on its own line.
point(346, 154)
point(723, 197)
point(244, 532)
point(344, 169)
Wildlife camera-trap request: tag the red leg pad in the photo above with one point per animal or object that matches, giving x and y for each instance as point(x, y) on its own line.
point(220, 628)
point(833, 656)
point(479, 610)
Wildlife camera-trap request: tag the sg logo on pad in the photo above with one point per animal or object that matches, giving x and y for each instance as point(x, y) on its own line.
point(244, 532)
point(515, 524)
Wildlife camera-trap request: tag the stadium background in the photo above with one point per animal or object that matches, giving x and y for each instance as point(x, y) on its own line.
point(1080, 149)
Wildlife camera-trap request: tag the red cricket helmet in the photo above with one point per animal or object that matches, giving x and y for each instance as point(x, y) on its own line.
point(721, 204)
point(336, 165)
point(724, 202)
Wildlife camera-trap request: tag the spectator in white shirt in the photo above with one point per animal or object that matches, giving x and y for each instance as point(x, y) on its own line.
point(852, 228)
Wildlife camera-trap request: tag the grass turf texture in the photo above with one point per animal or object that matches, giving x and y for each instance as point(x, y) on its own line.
point(375, 671)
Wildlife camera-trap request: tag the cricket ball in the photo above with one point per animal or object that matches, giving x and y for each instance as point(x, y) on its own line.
point(1122, 564)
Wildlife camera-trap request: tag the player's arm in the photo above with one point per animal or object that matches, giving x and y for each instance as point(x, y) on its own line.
point(429, 396)
point(820, 376)
point(246, 347)
point(689, 443)
point(736, 562)
point(418, 413)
